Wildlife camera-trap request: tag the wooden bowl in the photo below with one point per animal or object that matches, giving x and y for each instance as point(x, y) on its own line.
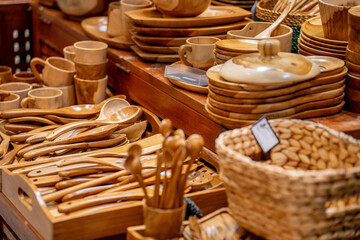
point(82, 8)
point(283, 33)
point(353, 82)
point(353, 57)
point(355, 68)
point(181, 8)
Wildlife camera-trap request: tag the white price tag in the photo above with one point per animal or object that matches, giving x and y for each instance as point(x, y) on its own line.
point(264, 135)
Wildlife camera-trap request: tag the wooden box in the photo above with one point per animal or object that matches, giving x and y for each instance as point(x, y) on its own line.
point(51, 224)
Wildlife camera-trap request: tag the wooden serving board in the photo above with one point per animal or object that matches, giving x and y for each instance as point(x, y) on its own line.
point(271, 107)
point(234, 123)
point(214, 15)
point(277, 114)
point(155, 57)
point(96, 27)
point(310, 90)
point(165, 41)
point(191, 31)
point(99, 222)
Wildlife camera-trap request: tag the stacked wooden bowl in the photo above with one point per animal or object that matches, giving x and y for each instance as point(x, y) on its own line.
point(236, 104)
point(229, 48)
point(247, 4)
point(312, 41)
point(353, 61)
point(158, 37)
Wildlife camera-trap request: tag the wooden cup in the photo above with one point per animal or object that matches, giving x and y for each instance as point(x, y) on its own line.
point(5, 74)
point(91, 71)
point(68, 95)
point(43, 98)
point(354, 28)
point(9, 101)
point(27, 77)
point(56, 71)
point(90, 52)
point(163, 223)
point(334, 17)
point(198, 52)
point(69, 52)
point(114, 19)
point(90, 91)
point(19, 88)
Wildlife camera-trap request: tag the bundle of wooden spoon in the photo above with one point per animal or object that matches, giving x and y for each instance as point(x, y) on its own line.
point(118, 123)
point(177, 155)
point(310, 7)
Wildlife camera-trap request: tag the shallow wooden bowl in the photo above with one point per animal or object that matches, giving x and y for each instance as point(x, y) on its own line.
point(353, 57)
point(353, 81)
point(181, 8)
point(353, 67)
point(282, 33)
point(82, 8)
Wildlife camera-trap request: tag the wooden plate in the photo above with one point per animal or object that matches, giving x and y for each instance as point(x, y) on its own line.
point(306, 39)
point(234, 123)
point(187, 86)
point(238, 45)
point(332, 50)
point(154, 57)
point(320, 52)
point(190, 32)
point(277, 98)
point(221, 56)
point(271, 107)
point(228, 53)
point(313, 29)
point(215, 80)
point(305, 53)
point(95, 28)
point(327, 64)
point(155, 49)
point(214, 15)
point(277, 114)
point(165, 41)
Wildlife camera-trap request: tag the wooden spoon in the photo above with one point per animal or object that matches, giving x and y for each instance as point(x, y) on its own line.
point(23, 136)
point(123, 115)
point(31, 119)
point(135, 131)
point(133, 165)
point(267, 32)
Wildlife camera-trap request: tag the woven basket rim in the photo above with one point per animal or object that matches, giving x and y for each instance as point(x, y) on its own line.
point(291, 172)
point(289, 15)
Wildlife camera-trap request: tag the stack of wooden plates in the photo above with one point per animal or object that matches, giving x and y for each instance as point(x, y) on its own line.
point(312, 41)
point(247, 4)
point(236, 104)
point(229, 48)
point(158, 38)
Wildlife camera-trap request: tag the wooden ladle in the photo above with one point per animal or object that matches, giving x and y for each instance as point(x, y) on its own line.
point(267, 32)
point(123, 115)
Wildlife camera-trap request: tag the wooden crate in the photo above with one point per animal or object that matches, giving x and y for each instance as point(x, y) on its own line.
point(51, 224)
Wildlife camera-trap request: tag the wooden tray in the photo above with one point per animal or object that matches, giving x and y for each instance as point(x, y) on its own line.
point(155, 49)
point(231, 123)
point(95, 28)
point(214, 15)
point(106, 221)
point(165, 41)
point(191, 32)
point(155, 57)
point(313, 29)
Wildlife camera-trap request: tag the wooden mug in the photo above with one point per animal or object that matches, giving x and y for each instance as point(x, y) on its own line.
point(163, 223)
point(5, 74)
point(9, 101)
point(56, 71)
point(90, 52)
point(19, 88)
point(69, 52)
point(27, 77)
point(91, 71)
point(198, 52)
point(43, 98)
point(90, 91)
point(334, 17)
point(68, 95)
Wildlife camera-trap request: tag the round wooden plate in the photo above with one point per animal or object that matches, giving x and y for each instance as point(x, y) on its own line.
point(320, 52)
point(96, 27)
point(327, 64)
point(155, 49)
point(332, 50)
point(238, 45)
point(187, 86)
point(322, 44)
point(312, 28)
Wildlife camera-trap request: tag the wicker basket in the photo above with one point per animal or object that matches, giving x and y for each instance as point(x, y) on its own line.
point(264, 12)
point(308, 189)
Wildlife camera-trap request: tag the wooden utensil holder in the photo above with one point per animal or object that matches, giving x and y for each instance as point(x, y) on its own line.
point(163, 223)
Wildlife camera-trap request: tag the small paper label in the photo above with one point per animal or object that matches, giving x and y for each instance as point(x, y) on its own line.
point(264, 135)
point(187, 79)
